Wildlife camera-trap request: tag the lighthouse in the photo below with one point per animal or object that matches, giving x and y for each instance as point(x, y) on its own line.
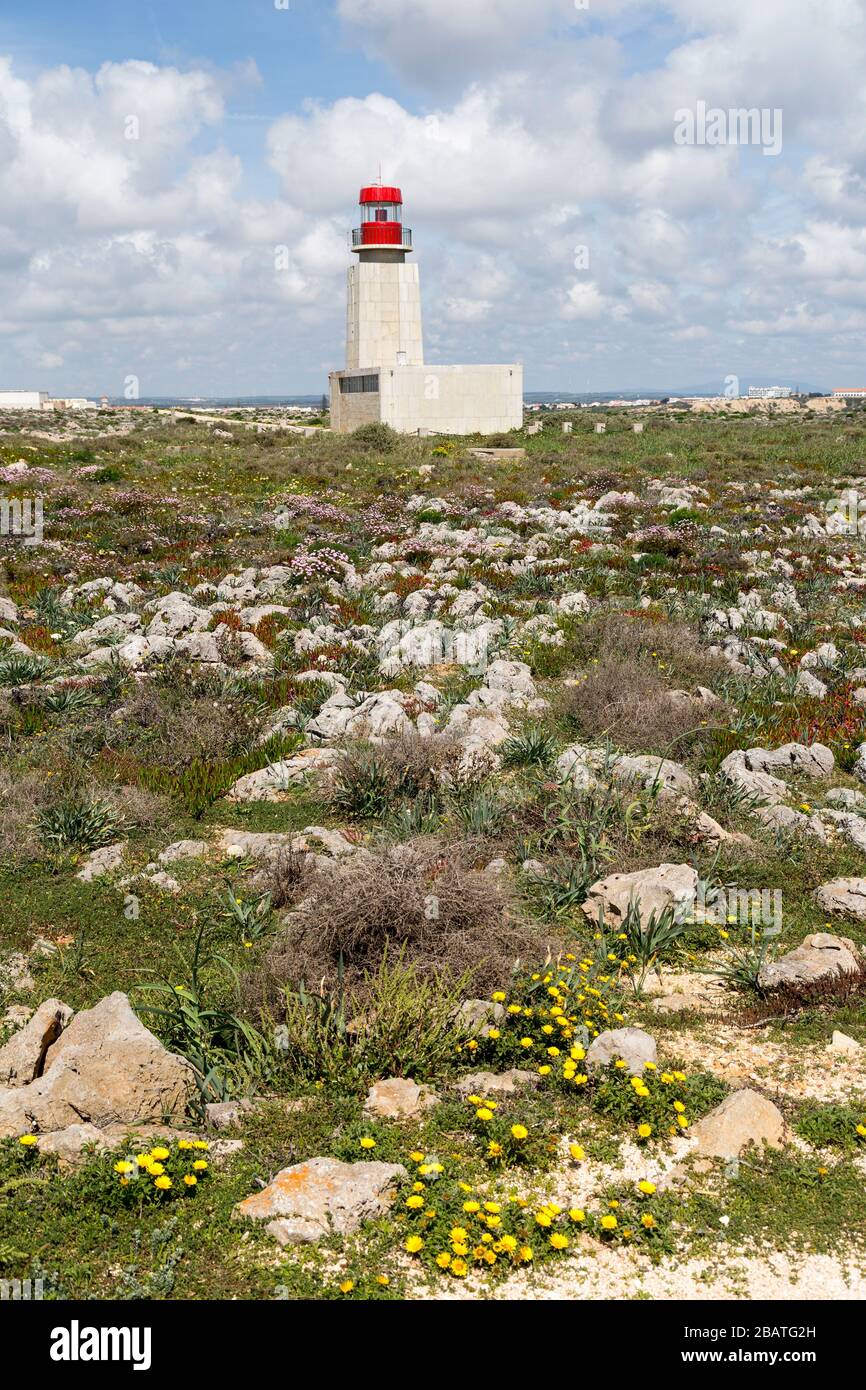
point(385, 377)
point(383, 319)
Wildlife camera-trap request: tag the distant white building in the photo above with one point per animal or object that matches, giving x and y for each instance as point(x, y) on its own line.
point(770, 393)
point(852, 392)
point(72, 403)
point(23, 400)
point(386, 379)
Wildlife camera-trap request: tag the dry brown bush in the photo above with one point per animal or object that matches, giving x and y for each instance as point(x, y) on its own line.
point(649, 640)
point(424, 896)
point(625, 700)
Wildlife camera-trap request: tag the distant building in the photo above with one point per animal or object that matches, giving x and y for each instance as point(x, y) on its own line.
point(857, 393)
point(72, 403)
point(770, 393)
point(23, 400)
point(386, 379)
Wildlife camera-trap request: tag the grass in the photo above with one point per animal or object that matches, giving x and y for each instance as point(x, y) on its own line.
point(86, 760)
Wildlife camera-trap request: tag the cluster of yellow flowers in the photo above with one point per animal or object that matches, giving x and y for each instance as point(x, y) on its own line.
point(153, 1164)
point(573, 996)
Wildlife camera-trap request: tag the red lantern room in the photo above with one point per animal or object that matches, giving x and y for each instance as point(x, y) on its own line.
point(381, 228)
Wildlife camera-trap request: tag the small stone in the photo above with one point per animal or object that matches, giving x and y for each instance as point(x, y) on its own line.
point(840, 1042)
point(478, 1016)
point(396, 1098)
point(224, 1114)
point(632, 1045)
point(506, 1083)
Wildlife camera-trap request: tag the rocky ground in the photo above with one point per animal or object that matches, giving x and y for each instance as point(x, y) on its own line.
point(429, 875)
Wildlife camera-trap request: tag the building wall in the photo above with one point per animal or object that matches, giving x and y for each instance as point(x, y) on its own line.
point(453, 399)
point(435, 400)
point(383, 316)
point(355, 408)
point(22, 400)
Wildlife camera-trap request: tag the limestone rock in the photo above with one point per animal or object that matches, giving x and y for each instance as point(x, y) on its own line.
point(22, 1058)
point(106, 1068)
point(272, 783)
point(478, 1016)
point(505, 1083)
point(669, 885)
point(632, 1045)
point(101, 862)
point(396, 1097)
point(310, 1200)
point(816, 958)
point(849, 1047)
point(744, 1117)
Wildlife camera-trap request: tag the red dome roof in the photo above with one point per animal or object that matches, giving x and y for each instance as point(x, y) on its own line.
point(377, 194)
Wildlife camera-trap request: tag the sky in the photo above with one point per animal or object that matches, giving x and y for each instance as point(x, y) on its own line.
point(177, 182)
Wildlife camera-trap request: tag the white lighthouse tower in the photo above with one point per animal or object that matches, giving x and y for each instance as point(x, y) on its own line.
point(383, 320)
point(386, 378)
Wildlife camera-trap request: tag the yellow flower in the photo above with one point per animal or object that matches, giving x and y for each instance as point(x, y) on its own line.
point(525, 1254)
point(200, 1165)
point(443, 1260)
point(608, 1223)
point(576, 1152)
point(576, 1214)
point(543, 1218)
point(28, 1140)
point(190, 1179)
point(458, 1233)
point(416, 1157)
point(459, 1268)
point(558, 1241)
point(367, 1142)
point(647, 1187)
point(861, 1130)
point(498, 997)
point(156, 1169)
point(414, 1244)
point(162, 1182)
point(648, 1220)
point(508, 1243)
point(484, 1113)
point(519, 1132)
point(644, 1131)
point(160, 1154)
point(383, 1280)
point(184, 1144)
point(414, 1202)
point(143, 1160)
point(526, 1042)
point(682, 1122)
point(493, 1033)
point(347, 1286)
point(679, 1107)
point(123, 1167)
point(494, 1150)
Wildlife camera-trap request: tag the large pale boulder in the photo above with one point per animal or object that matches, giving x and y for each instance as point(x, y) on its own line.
point(817, 958)
point(504, 1083)
point(846, 895)
point(313, 1199)
point(106, 1068)
point(743, 1118)
point(273, 783)
point(22, 1058)
point(668, 886)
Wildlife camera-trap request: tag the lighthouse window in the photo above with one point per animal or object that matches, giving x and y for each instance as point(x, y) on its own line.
point(351, 384)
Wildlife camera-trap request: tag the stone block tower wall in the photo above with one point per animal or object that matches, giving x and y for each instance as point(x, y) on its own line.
point(383, 318)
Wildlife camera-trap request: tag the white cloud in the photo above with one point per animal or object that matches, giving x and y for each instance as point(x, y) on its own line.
point(129, 234)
